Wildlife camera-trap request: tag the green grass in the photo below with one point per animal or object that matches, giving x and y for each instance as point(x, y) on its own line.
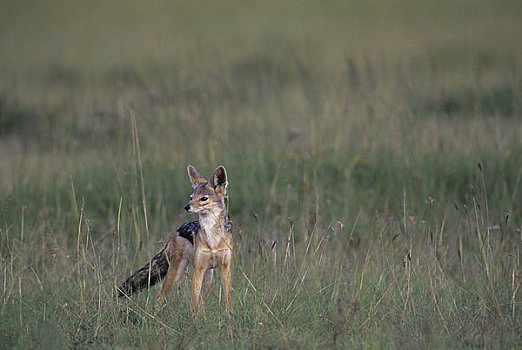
point(373, 153)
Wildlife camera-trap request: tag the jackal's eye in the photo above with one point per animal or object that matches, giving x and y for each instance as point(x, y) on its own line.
point(203, 199)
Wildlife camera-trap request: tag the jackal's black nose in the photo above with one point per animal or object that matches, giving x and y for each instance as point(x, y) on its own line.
point(187, 207)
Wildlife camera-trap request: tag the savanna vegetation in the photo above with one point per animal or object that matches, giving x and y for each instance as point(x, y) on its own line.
point(373, 149)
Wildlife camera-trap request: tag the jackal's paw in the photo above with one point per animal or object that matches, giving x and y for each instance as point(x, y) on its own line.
point(160, 303)
point(159, 306)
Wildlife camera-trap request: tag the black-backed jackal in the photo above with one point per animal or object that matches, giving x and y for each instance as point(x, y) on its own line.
point(206, 243)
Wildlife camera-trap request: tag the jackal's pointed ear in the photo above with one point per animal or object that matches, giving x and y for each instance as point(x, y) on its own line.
point(218, 180)
point(194, 176)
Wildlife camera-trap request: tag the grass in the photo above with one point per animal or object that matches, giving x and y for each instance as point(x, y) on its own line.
point(373, 154)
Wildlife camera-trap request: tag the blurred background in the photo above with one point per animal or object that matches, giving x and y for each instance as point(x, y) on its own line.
point(361, 94)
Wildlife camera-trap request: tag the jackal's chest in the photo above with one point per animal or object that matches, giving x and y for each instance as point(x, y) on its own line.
point(213, 257)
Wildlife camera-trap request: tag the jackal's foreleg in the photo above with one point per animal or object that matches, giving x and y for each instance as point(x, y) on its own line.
point(199, 272)
point(226, 280)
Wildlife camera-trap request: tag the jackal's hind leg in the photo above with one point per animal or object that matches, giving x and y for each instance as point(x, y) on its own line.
point(174, 275)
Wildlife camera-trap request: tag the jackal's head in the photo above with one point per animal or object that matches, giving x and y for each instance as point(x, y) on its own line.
point(207, 196)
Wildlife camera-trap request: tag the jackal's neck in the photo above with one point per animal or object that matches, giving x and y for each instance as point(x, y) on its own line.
point(213, 226)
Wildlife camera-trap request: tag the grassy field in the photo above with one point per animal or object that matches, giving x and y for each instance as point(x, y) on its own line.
point(374, 154)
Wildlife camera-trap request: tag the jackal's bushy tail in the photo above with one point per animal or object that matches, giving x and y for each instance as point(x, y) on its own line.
point(147, 276)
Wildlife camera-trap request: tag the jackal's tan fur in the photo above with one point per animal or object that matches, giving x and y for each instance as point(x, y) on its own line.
point(206, 244)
